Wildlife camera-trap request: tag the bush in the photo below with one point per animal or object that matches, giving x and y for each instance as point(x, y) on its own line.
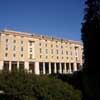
point(24, 86)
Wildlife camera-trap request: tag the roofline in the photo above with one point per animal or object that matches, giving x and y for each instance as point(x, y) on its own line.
point(41, 36)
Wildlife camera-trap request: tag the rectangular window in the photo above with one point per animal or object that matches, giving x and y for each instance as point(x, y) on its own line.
point(62, 52)
point(21, 42)
point(30, 56)
point(71, 53)
point(30, 49)
point(14, 55)
point(40, 56)
point(21, 55)
point(46, 57)
point(6, 54)
point(39, 44)
point(51, 45)
point(45, 45)
point(57, 51)
point(14, 47)
point(51, 51)
point(40, 50)
point(30, 43)
point(46, 51)
point(66, 52)
point(21, 48)
point(61, 46)
point(6, 40)
point(57, 57)
point(6, 47)
point(14, 41)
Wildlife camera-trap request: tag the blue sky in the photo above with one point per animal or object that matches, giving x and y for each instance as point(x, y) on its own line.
point(58, 18)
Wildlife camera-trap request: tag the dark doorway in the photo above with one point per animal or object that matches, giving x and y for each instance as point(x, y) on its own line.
point(47, 68)
point(32, 67)
point(67, 67)
point(14, 66)
point(52, 68)
point(41, 67)
point(62, 67)
point(78, 66)
point(21, 66)
point(57, 67)
point(72, 67)
point(6, 66)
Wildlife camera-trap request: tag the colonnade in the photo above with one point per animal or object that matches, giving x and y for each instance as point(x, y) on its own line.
point(41, 67)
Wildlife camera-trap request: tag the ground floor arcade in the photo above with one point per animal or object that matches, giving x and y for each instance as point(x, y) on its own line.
point(40, 67)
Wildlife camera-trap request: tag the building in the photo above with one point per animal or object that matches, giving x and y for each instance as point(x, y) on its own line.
point(39, 54)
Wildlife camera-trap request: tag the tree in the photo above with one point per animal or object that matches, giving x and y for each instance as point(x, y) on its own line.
point(90, 37)
point(24, 86)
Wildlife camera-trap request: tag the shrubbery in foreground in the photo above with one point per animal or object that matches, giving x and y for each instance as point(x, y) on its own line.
point(24, 86)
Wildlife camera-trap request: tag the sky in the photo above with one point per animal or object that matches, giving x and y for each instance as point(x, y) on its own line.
point(57, 18)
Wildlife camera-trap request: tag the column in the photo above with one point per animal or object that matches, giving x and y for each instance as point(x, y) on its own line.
point(64, 68)
point(9, 65)
point(27, 66)
point(17, 65)
point(75, 67)
point(49, 68)
point(37, 68)
point(70, 68)
point(60, 71)
point(55, 70)
point(43, 67)
point(1, 65)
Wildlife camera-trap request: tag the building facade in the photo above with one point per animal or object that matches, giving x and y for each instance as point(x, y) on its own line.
point(39, 54)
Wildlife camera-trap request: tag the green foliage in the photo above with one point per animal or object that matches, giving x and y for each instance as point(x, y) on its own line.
point(24, 86)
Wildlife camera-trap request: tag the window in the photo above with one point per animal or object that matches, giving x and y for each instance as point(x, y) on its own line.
point(14, 47)
point(6, 48)
point(76, 54)
point(6, 54)
point(14, 41)
point(51, 51)
point(14, 55)
point(40, 56)
point(21, 48)
point(40, 44)
point(70, 53)
point(6, 40)
point(21, 55)
point(30, 43)
point(62, 52)
point(57, 57)
point(30, 49)
point(57, 51)
point(67, 58)
point(46, 45)
point(66, 52)
point(40, 50)
point(61, 46)
point(21, 42)
point(76, 58)
point(51, 45)
point(46, 51)
point(46, 57)
point(62, 57)
point(30, 56)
